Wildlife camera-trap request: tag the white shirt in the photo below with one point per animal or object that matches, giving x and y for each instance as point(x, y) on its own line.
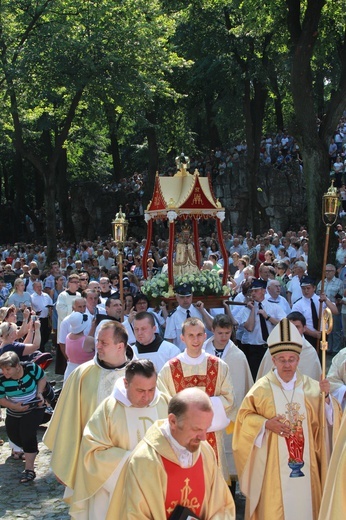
point(39, 303)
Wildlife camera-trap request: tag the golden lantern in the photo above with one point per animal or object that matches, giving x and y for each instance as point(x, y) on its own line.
point(120, 225)
point(330, 203)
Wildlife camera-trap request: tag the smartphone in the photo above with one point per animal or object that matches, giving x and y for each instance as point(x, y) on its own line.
point(33, 403)
point(33, 318)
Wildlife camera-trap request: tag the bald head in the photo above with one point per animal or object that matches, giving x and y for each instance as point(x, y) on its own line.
point(79, 305)
point(189, 398)
point(190, 415)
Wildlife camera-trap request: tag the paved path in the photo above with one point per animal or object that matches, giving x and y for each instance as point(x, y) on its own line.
point(41, 498)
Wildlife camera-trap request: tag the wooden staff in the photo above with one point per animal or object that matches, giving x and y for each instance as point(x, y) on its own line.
point(327, 327)
point(231, 302)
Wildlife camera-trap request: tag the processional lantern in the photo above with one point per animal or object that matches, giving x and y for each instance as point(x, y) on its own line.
point(330, 204)
point(120, 226)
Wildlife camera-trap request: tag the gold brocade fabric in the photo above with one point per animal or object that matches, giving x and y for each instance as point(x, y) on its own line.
point(146, 482)
point(333, 506)
point(258, 468)
point(109, 437)
point(76, 404)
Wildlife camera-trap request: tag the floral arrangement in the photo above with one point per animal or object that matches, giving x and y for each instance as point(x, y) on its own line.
point(204, 283)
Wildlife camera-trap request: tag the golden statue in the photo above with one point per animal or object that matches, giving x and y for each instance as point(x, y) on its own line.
point(185, 260)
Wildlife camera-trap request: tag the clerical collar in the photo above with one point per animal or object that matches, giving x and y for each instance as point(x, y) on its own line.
point(103, 365)
point(286, 385)
point(190, 360)
point(71, 293)
point(151, 347)
point(184, 456)
point(106, 294)
point(120, 394)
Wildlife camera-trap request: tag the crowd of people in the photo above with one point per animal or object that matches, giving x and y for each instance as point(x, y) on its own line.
point(219, 386)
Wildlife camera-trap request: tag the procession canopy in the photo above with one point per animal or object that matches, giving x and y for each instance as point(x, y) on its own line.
point(181, 197)
point(188, 195)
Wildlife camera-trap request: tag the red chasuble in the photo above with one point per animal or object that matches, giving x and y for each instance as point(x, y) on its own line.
point(185, 486)
point(208, 381)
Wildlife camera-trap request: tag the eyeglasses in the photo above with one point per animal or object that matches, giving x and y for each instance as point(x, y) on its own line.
point(74, 281)
point(287, 361)
point(83, 279)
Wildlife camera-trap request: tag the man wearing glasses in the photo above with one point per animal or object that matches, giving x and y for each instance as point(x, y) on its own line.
point(83, 281)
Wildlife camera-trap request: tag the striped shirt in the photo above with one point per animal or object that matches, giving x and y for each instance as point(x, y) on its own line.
point(21, 390)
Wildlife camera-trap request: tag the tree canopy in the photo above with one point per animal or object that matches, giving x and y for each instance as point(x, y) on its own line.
point(88, 88)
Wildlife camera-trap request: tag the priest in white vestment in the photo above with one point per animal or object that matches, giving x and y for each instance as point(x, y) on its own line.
point(333, 506)
point(337, 377)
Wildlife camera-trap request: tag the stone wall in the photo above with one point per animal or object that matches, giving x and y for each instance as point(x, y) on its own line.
point(281, 194)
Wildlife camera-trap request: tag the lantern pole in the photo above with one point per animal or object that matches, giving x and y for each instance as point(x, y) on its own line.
point(119, 226)
point(330, 202)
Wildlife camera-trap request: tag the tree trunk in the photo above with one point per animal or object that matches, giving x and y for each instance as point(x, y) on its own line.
point(213, 133)
point(153, 155)
point(49, 198)
point(64, 199)
point(319, 88)
point(314, 150)
point(277, 99)
point(254, 113)
point(113, 125)
point(39, 190)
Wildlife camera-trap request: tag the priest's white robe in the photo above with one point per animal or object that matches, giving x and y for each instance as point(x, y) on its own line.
point(112, 432)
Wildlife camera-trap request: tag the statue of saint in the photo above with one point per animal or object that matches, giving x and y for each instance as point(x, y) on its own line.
point(185, 260)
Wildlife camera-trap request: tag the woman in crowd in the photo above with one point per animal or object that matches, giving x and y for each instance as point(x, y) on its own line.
point(141, 304)
point(20, 298)
point(129, 298)
point(260, 258)
point(8, 339)
point(9, 315)
point(79, 348)
point(283, 256)
point(269, 257)
point(21, 388)
point(239, 275)
point(9, 343)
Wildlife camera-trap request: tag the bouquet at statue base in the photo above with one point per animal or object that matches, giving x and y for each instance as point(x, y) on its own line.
point(204, 283)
